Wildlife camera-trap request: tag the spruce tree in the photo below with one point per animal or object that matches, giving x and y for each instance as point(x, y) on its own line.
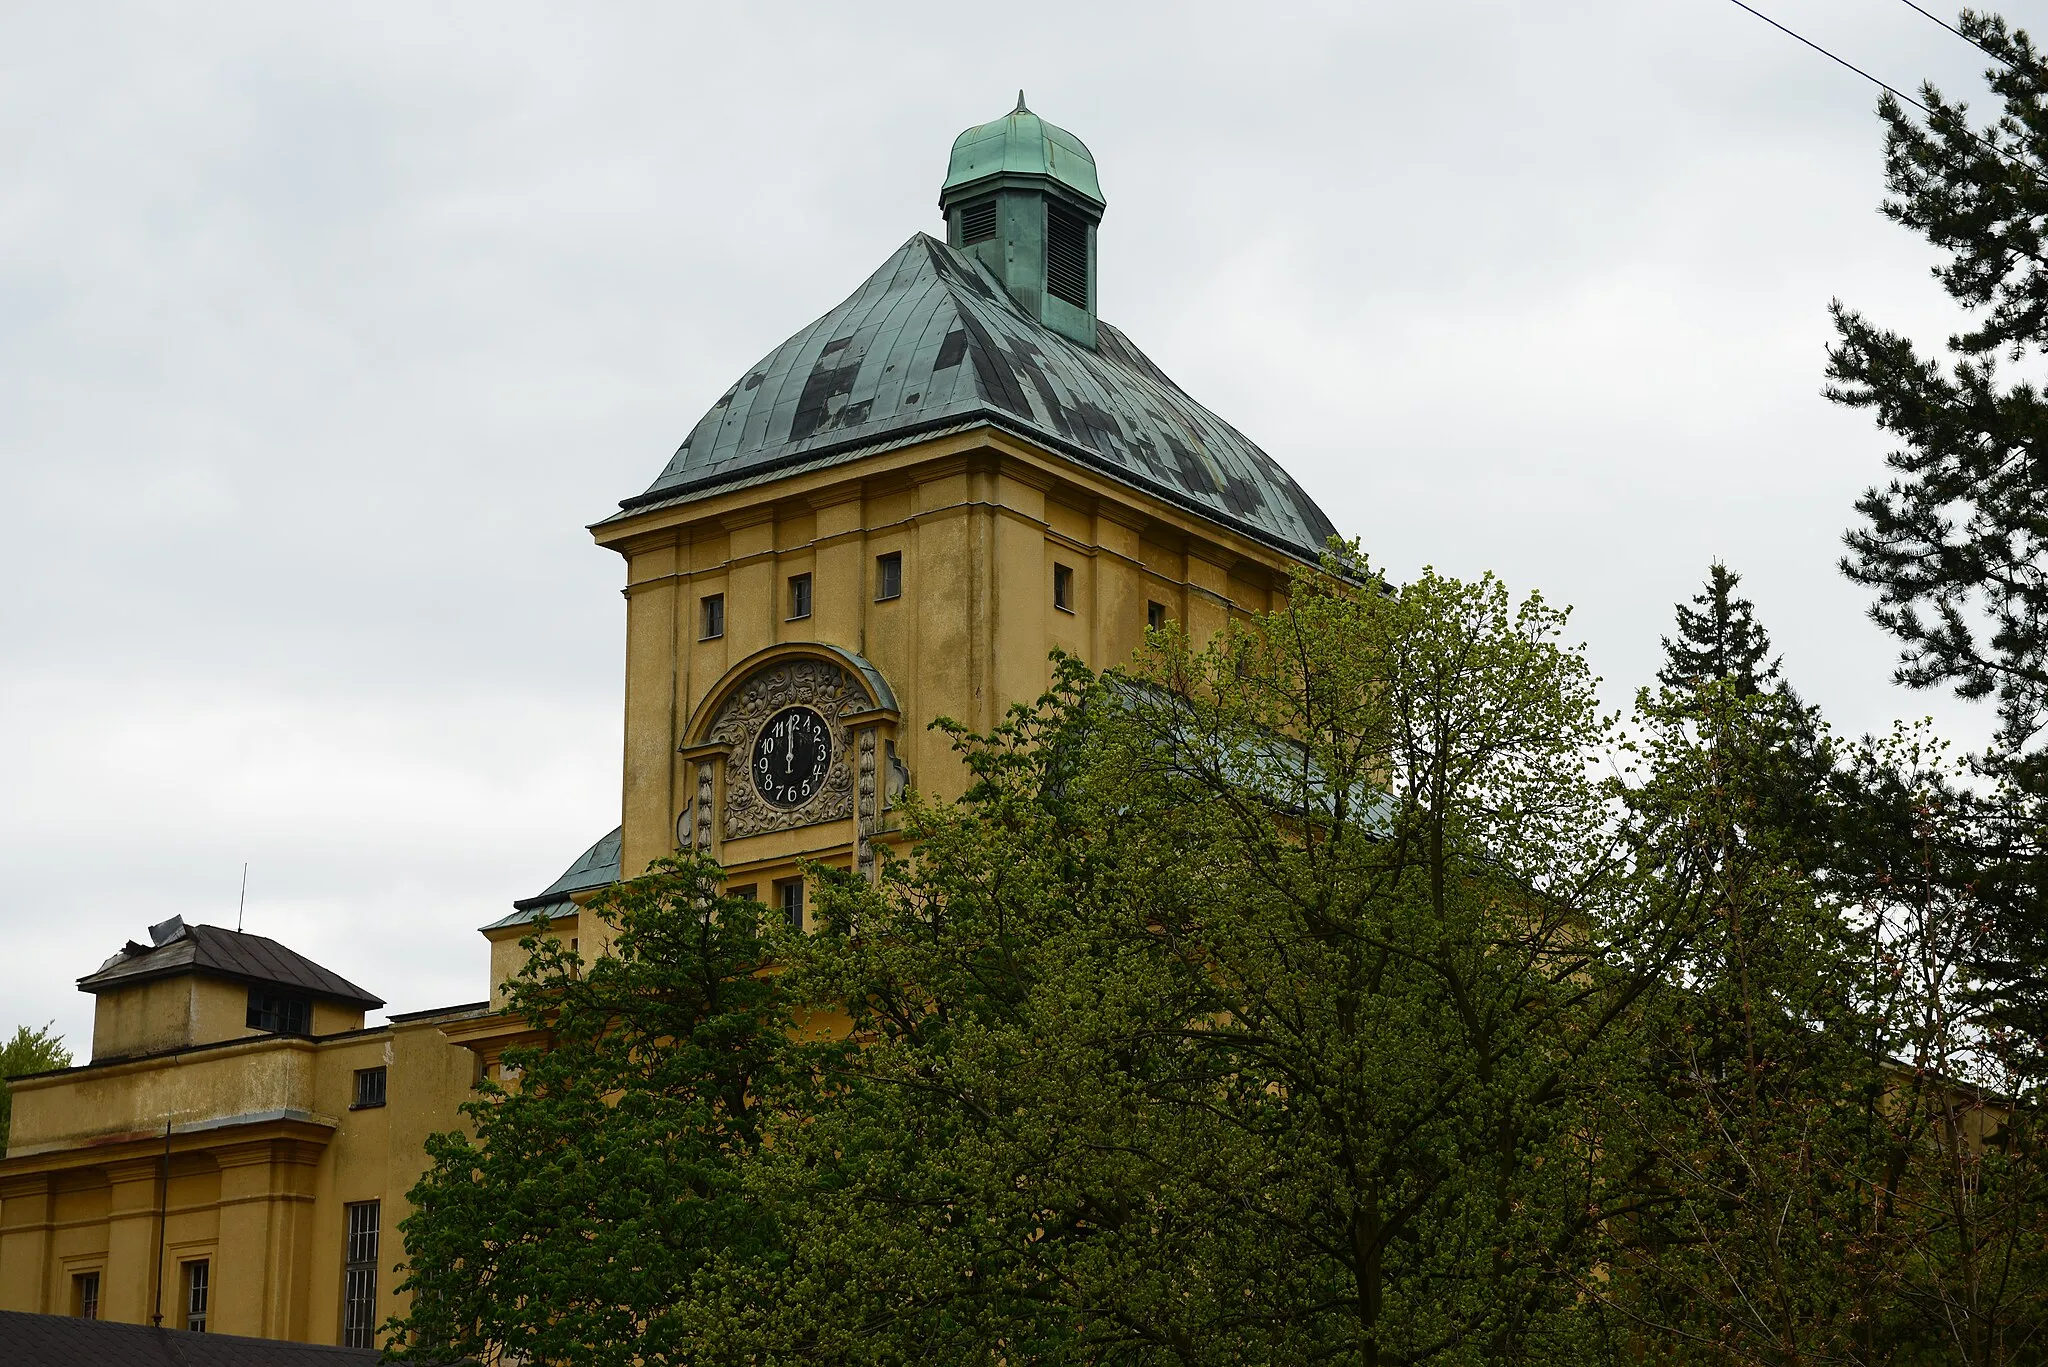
point(1719, 638)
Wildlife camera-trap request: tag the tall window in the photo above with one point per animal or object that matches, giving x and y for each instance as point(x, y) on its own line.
point(359, 1277)
point(714, 616)
point(85, 1295)
point(195, 1289)
point(1155, 615)
point(799, 596)
point(889, 576)
point(369, 1088)
point(279, 1013)
point(791, 893)
point(1063, 588)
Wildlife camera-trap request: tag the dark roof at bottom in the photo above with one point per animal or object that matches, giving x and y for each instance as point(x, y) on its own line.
point(60, 1341)
point(179, 948)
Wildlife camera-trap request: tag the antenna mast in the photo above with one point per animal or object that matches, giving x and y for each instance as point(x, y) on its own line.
point(245, 896)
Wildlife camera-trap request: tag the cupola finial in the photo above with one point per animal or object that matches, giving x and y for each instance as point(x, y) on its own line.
point(1020, 109)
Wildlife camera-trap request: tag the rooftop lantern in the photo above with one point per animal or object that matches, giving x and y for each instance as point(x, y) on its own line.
point(1021, 197)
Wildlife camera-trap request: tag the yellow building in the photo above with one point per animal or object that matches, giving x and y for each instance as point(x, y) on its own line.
point(236, 1153)
point(896, 515)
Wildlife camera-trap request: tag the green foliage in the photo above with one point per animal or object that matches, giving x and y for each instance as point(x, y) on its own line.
point(1760, 1113)
point(30, 1051)
point(1956, 545)
point(593, 1214)
point(1720, 638)
point(1836, 1169)
point(1309, 996)
point(1244, 1010)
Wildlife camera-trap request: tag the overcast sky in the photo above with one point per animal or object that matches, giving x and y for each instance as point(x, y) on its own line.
point(325, 330)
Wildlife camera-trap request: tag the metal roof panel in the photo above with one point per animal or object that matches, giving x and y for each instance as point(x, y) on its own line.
point(932, 323)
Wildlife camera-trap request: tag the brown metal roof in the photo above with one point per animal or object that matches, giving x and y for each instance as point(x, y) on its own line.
point(60, 1341)
point(177, 949)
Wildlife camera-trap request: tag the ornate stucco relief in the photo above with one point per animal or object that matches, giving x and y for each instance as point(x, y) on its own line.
point(703, 805)
point(815, 683)
point(865, 806)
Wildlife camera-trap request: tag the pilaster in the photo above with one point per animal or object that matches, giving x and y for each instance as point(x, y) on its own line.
point(265, 1257)
point(28, 1212)
point(128, 1291)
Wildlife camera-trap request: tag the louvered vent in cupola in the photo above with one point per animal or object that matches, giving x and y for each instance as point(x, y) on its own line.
point(1066, 255)
point(977, 221)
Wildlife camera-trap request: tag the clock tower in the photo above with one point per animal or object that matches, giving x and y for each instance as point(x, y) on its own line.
point(897, 515)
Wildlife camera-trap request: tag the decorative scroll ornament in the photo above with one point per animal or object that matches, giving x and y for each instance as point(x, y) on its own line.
point(703, 805)
point(818, 684)
point(865, 806)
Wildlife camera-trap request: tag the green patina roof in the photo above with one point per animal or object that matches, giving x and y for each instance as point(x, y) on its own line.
point(931, 343)
point(1022, 144)
point(596, 867)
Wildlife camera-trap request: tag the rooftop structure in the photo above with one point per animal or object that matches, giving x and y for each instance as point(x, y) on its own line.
point(972, 333)
point(176, 949)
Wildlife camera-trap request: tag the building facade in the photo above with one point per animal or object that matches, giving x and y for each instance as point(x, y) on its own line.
point(896, 515)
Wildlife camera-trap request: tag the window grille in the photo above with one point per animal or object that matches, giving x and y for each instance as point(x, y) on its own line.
point(195, 1295)
point(1063, 588)
point(977, 221)
point(279, 1013)
point(714, 616)
point(889, 576)
point(799, 596)
point(369, 1088)
point(791, 893)
point(85, 1295)
point(1066, 255)
point(359, 1277)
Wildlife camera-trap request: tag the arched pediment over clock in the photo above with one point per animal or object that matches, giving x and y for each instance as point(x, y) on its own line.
point(795, 725)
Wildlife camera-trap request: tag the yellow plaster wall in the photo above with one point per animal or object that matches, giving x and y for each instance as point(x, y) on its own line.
point(266, 1151)
point(176, 1013)
point(507, 958)
point(980, 521)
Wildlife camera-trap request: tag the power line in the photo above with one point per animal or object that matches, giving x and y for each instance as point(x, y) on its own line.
point(1838, 61)
point(1888, 88)
point(1957, 32)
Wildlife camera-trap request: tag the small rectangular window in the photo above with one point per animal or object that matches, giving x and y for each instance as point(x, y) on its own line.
point(790, 892)
point(799, 596)
point(279, 1013)
point(369, 1088)
point(713, 625)
point(359, 1277)
point(748, 892)
point(889, 576)
point(1155, 615)
point(195, 1289)
point(85, 1295)
point(1063, 588)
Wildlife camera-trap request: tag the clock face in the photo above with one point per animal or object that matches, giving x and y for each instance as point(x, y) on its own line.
point(791, 756)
